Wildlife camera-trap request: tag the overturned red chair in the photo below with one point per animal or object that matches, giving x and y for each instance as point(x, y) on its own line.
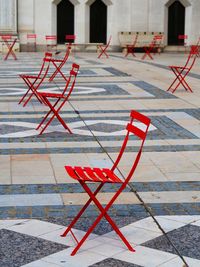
point(59, 101)
point(103, 48)
point(59, 63)
point(34, 81)
point(181, 72)
point(104, 175)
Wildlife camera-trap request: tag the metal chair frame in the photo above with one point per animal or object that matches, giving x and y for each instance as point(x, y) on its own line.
point(130, 48)
point(34, 81)
point(103, 176)
point(182, 71)
point(9, 42)
point(60, 100)
point(59, 63)
point(103, 48)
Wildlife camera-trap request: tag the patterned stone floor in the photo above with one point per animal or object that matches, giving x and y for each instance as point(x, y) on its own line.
point(160, 211)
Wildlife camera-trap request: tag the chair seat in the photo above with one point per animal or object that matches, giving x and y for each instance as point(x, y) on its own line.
point(178, 67)
point(56, 60)
point(92, 174)
point(29, 76)
point(51, 95)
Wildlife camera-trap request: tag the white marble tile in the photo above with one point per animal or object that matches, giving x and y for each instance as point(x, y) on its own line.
point(55, 236)
point(147, 224)
point(168, 225)
point(175, 262)
point(145, 257)
point(107, 250)
point(34, 227)
point(192, 262)
point(135, 235)
point(8, 223)
point(186, 219)
point(40, 263)
point(82, 258)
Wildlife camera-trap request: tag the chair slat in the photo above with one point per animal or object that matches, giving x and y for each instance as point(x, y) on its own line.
point(131, 128)
point(71, 172)
point(80, 172)
point(111, 176)
point(91, 173)
point(100, 174)
point(140, 117)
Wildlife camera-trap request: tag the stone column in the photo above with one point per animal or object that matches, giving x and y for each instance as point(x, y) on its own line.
point(8, 16)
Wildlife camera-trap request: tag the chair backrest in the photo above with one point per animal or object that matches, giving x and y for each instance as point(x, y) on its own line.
point(194, 52)
point(182, 38)
point(31, 37)
point(6, 37)
point(139, 132)
point(45, 67)
point(156, 41)
point(51, 40)
point(158, 38)
point(70, 38)
point(67, 53)
point(71, 80)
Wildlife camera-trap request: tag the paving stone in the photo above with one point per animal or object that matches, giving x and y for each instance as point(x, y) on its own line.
point(19, 249)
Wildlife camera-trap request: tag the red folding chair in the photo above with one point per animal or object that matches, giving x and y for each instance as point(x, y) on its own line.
point(103, 48)
point(59, 99)
point(103, 176)
point(130, 48)
point(59, 63)
point(34, 81)
point(51, 42)
point(182, 71)
point(9, 42)
point(31, 42)
point(182, 40)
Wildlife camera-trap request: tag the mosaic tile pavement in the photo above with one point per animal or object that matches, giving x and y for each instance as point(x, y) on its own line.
point(159, 212)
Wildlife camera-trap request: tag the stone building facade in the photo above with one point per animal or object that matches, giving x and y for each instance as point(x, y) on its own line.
point(96, 20)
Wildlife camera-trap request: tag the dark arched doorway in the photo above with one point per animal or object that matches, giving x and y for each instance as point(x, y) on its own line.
point(98, 22)
point(65, 20)
point(176, 23)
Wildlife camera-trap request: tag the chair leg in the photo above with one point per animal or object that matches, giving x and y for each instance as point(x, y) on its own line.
point(181, 80)
point(81, 211)
point(98, 219)
point(34, 92)
point(55, 114)
point(58, 70)
point(103, 51)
